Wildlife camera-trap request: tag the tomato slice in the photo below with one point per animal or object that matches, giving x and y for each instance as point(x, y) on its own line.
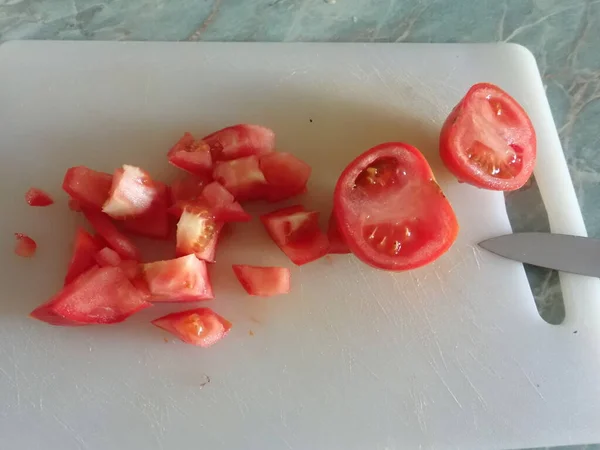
point(223, 205)
point(201, 326)
point(89, 187)
point(182, 279)
point(239, 141)
point(197, 233)
point(37, 197)
point(263, 281)
point(154, 223)
point(286, 175)
point(113, 237)
point(242, 177)
point(191, 155)
point(85, 248)
point(488, 140)
point(131, 194)
point(107, 257)
point(102, 295)
point(390, 211)
point(25, 246)
point(336, 241)
point(296, 232)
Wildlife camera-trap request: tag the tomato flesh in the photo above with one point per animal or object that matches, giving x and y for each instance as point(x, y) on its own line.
point(390, 211)
point(200, 326)
point(191, 155)
point(25, 246)
point(296, 232)
point(85, 248)
point(107, 257)
point(37, 197)
point(242, 177)
point(336, 241)
point(89, 187)
point(263, 281)
point(188, 188)
point(113, 237)
point(223, 205)
point(239, 141)
point(488, 140)
point(131, 194)
point(286, 175)
point(154, 223)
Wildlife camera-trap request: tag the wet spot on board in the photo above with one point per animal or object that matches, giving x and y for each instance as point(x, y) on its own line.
point(166, 340)
point(255, 320)
point(204, 380)
point(250, 333)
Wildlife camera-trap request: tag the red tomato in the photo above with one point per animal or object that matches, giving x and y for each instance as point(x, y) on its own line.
point(390, 211)
point(74, 205)
point(336, 241)
point(239, 141)
point(223, 205)
point(286, 175)
point(263, 281)
point(113, 237)
point(188, 188)
point(182, 279)
point(191, 155)
point(154, 223)
point(296, 232)
point(200, 326)
point(102, 295)
point(131, 194)
point(488, 140)
point(242, 177)
point(25, 246)
point(85, 248)
point(197, 233)
point(37, 197)
point(88, 187)
point(107, 257)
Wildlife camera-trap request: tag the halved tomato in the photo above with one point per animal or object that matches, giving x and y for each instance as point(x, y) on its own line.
point(336, 241)
point(182, 279)
point(107, 257)
point(223, 205)
point(131, 194)
point(296, 232)
point(113, 237)
point(263, 281)
point(37, 197)
point(242, 177)
point(201, 326)
point(390, 211)
point(239, 141)
point(85, 248)
point(286, 175)
point(25, 246)
point(102, 295)
point(89, 187)
point(488, 140)
point(154, 223)
point(191, 155)
point(197, 233)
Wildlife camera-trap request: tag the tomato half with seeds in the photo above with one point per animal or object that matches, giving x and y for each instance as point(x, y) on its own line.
point(390, 211)
point(488, 140)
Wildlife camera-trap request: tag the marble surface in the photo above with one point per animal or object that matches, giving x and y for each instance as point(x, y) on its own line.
point(564, 35)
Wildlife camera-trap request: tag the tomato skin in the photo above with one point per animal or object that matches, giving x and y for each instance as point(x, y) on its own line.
point(25, 246)
point(191, 155)
point(263, 281)
point(336, 241)
point(85, 248)
point(286, 175)
point(201, 326)
point(242, 177)
point(113, 237)
point(37, 197)
point(239, 141)
point(436, 227)
point(131, 194)
point(89, 187)
point(523, 136)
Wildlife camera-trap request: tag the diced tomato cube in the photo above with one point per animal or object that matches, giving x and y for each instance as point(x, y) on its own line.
point(336, 241)
point(223, 205)
point(242, 177)
point(188, 188)
point(113, 237)
point(263, 281)
point(200, 326)
point(102, 295)
point(191, 155)
point(197, 233)
point(107, 257)
point(296, 232)
point(182, 279)
point(25, 246)
point(131, 194)
point(154, 223)
point(37, 197)
point(89, 187)
point(286, 175)
point(85, 248)
point(240, 140)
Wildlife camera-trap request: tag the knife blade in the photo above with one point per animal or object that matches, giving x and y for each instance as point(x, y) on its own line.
point(574, 254)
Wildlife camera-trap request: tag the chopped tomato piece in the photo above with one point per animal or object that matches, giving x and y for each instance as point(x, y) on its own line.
point(191, 155)
point(390, 211)
point(25, 246)
point(223, 205)
point(296, 232)
point(102, 295)
point(200, 326)
point(154, 223)
point(107, 257)
point(182, 279)
point(37, 197)
point(239, 141)
point(74, 205)
point(263, 281)
point(131, 194)
point(286, 175)
point(113, 237)
point(488, 140)
point(242, 177)
point(88, 187)
point(188, 188)
point(85, 248)
point(336, 241)
point(197, 233)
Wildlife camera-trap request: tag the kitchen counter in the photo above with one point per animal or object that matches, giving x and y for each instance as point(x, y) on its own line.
point(563, 35)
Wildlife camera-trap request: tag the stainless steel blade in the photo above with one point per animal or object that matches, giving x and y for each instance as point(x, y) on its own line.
point(574, 254)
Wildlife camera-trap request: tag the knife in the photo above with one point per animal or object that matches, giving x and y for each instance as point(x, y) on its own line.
point(574, 254)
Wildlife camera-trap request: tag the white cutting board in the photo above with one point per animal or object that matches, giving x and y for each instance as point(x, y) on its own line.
point(453, 355)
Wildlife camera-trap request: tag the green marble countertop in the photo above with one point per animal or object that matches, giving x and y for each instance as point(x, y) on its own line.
point(564, 35)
